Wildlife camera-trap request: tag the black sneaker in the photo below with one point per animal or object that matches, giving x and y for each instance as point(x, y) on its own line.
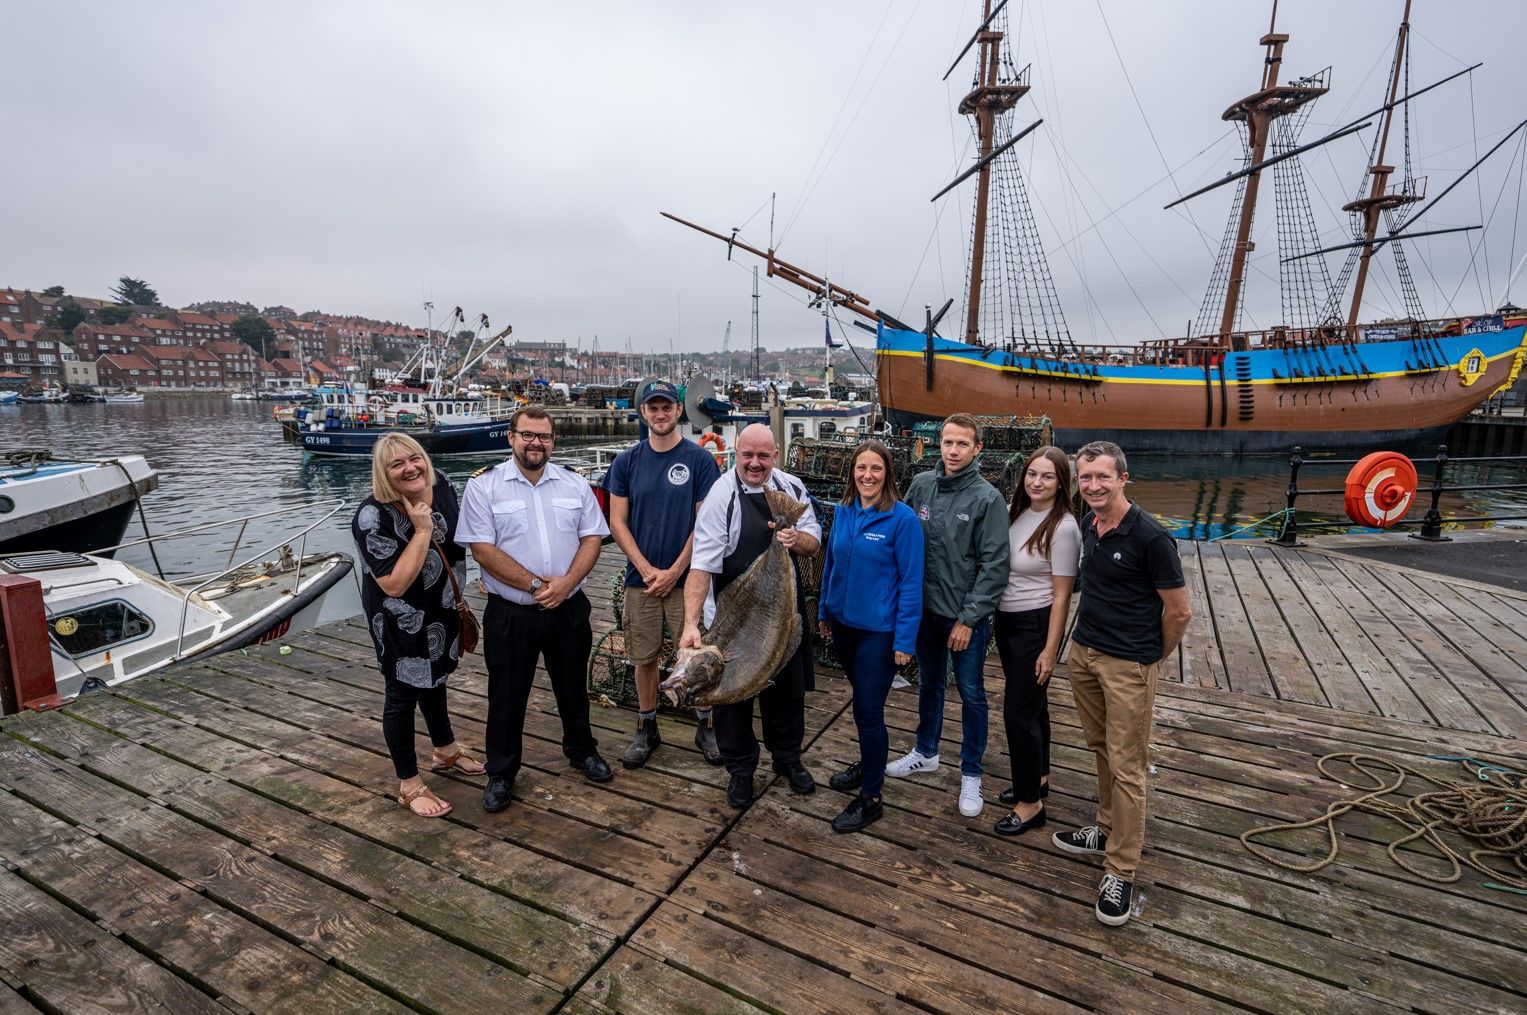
point(1090, 840)
point(1113, 900)
point(705, 739)
point(860, 812)
point(850, 778)
point(739, 789)
point(647, 740)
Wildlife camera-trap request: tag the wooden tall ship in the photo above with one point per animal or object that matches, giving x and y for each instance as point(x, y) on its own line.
point(1321, 380)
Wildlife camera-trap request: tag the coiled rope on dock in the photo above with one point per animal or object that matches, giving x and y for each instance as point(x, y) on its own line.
point(1490, 814)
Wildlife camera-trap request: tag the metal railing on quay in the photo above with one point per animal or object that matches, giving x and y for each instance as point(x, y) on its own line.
point(1431, 523)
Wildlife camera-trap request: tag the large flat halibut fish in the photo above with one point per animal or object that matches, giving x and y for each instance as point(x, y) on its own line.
point(757, 627)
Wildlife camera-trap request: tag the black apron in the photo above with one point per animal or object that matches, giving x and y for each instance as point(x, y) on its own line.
point(798, 675)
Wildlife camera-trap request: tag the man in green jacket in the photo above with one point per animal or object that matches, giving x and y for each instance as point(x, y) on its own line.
point(964, 572)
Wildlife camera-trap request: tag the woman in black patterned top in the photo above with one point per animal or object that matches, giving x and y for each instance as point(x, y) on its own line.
point(410, 607)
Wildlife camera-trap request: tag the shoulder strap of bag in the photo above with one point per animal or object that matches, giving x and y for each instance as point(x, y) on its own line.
point(450, 572)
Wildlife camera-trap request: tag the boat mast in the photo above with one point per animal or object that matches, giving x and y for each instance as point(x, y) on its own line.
point(1378, 200)
point(1258, 110)
point(986, 100)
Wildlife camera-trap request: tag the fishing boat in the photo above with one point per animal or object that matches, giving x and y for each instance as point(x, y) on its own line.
point(106, 622)
point(8, 398)
point(46, 395)
point(123, 397)
point(1321, 381)
point(346, 421)
point(49, 503)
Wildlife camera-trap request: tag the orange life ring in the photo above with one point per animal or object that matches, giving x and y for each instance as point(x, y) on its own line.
point(715, 440)
point(1380, 489)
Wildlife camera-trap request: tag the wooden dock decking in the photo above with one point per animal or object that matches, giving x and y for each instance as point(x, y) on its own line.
point(225, 836)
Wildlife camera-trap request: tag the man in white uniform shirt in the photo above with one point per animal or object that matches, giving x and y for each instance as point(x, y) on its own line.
point(733, 527)
point(535, 530)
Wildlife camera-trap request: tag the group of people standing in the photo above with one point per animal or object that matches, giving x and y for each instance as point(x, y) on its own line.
point(934, 574)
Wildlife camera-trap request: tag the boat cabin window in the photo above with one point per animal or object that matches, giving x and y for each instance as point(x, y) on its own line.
point(797, 429)
point(827, 428)
point(98, 626)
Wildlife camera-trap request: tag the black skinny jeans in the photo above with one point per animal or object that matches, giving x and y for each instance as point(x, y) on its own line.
point(398, 707)
point(1025, 704)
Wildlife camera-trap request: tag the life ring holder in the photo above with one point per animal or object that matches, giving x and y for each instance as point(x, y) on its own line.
point(714, 440)
point(1380, 489)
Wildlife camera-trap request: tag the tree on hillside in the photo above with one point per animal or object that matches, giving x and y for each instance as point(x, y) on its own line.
point(255, 332)
point(110, 314)
point(136, 292)
point(53, 290)
point(69, 314)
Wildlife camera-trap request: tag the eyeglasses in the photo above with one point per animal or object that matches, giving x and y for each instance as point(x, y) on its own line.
point(533, 438)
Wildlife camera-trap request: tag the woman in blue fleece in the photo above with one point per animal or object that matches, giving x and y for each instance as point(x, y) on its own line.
point(871, 604)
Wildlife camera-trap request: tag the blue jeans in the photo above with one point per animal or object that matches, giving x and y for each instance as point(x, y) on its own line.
point(932, 662)
point(869, 659)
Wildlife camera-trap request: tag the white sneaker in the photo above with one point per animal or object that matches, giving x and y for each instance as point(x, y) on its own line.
point(911, 762)
point(970, 796)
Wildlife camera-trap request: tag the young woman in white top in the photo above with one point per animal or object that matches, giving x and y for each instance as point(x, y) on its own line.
point(1044, 548)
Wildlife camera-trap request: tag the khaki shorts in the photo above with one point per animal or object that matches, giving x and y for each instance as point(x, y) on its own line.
point(644, 617)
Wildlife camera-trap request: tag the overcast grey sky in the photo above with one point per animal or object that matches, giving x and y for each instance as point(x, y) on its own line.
point(512, 158)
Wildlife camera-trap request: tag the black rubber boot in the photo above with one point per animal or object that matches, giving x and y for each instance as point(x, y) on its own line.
point(647, 741)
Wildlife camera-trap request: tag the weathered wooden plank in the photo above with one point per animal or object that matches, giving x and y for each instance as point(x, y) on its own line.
point(1350, 635)
point(1309, 630)
point(12, 1003)
point(1498, 646)
point(1035, 889)
point(607, 857)
point(361, 937)
point(70, 964)
point(756, 970)
point(1202, 664)
point(567, 793)
point(1290, 672)
point(1479, 670)
point(794, 857)
point(1245, 668)
point(845, 946)
point(524, 938)
point(634, 980)
point(192, 935)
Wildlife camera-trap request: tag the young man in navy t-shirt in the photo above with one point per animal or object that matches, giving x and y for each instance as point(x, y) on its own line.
point(655, 490)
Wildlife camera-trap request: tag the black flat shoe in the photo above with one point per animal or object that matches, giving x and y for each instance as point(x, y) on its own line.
point(1009, 796)
point(495, 796)
point(739, 789)
point(1011, 824)
point(595, 768)
point(850, 778)
point(860, 812)
point(801, 782)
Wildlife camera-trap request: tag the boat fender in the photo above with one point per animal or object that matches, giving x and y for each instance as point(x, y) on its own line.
point(1380, 489)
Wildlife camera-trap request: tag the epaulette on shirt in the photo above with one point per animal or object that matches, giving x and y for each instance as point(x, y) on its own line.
point(485, 468)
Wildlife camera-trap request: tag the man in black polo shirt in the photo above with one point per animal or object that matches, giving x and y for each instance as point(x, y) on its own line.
point(1134, 608)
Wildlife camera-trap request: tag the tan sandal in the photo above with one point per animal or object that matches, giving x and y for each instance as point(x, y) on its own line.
point(424, 793)
point(460, 761)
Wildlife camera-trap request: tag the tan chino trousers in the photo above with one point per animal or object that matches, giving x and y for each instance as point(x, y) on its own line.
point(1114, 698)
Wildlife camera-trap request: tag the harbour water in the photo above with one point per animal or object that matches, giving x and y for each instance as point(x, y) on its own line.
point(218, 458)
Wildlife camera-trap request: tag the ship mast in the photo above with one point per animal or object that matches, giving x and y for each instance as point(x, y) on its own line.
point(1258, 111)
point(988, 99)
point(1378, 199)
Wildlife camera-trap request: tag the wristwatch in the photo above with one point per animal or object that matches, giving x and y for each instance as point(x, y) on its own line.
point(535, 585)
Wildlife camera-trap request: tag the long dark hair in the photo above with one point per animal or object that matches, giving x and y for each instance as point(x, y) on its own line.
point(1045, 534)
point(888, 493)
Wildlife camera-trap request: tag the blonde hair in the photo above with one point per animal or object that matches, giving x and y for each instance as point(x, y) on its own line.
point(388, 445)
